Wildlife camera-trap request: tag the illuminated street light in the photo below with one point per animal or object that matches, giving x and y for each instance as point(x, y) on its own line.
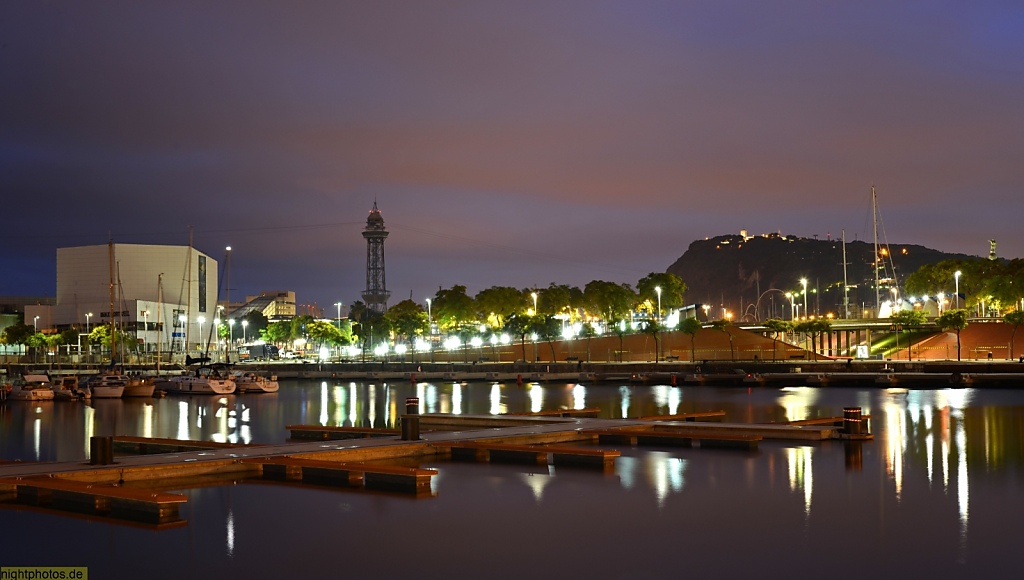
point(534, 295)
point(658, 290)
point(338, 304)
point(35, 328)
point(244, 324)
point(231, 330)
point(792, 306)
point(956, 276)
point(88, 315)
point(804, 282)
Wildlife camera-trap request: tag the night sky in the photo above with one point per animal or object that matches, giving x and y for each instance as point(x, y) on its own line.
point(506, 143)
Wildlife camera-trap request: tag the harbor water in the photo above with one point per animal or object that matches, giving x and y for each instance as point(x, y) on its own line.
point(938, 493)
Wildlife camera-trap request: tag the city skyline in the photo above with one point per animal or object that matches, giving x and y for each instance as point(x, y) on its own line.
point(514, 145)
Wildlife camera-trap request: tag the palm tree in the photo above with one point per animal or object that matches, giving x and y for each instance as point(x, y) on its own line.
point(1016, 318)
point(955, 320)
point(691, 326)
point(777, 327)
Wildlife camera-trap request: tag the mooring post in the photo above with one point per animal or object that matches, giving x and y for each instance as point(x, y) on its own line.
point(411, 420)
point(101, 450)
point(852, 421)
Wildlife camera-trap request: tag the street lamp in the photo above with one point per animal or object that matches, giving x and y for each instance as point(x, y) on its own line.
point(658, 290)
point(534, 295)
point(35, 327)
point(804, 282)
point(231, 330)
point(244, 324)
point(956, 276)
point(792, 306)
point(88, 315)
point(338, 304)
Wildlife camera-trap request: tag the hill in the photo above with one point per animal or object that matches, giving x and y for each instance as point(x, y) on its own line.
point(731, 271)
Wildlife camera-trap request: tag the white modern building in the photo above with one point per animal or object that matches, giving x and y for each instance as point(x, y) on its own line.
point(167, 295)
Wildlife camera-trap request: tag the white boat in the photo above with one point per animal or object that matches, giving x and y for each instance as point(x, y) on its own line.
point(66, 388)
point(202, 381)
point(140, 387)
point(250, 382)
point(108, 386)
point(32, 388)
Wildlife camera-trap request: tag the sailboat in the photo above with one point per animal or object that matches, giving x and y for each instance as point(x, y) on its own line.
point(202, 380)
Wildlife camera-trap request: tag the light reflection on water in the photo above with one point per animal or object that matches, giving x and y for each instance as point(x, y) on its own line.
point(932, 449)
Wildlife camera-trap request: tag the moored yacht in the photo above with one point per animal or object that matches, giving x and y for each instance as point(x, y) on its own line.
point(250, 382)
point(108, 386)
point(201, 381)
point(32, 388)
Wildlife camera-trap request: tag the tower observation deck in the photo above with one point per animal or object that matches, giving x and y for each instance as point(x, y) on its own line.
point(376, 294)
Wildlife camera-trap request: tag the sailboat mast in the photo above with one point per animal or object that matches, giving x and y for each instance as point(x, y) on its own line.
point(874, 224)
point(188, 294)
point(110, 326)
point(846, 285)
point(159, 303)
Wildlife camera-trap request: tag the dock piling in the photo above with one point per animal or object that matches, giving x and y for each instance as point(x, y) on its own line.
point(101, 450)
point(852, 420)
point(411, 420)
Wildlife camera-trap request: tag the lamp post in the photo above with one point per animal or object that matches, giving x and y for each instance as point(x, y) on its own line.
point(658, 290)
point(88, 315)
point(338, 304)
point(35, 327)
point(956, 276)
point(244, 324)
point(534, 295)
point(792, 306)
point(231, 330)
point(804, 282)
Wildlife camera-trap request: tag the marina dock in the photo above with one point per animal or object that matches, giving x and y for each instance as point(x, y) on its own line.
point(127, 486)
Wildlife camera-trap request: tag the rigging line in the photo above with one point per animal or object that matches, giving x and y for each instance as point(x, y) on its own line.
point(217, 230)
point(515, 250)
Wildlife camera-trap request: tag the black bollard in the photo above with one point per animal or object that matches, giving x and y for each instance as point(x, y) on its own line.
point(411, 420)
point(851, 420)
point(101, 450)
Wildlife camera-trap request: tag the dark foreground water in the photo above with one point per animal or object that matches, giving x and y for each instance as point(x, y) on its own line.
point(939, 493)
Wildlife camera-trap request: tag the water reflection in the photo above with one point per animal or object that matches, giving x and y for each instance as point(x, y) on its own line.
point(931, 449)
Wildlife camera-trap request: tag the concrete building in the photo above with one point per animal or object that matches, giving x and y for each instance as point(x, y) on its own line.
point(276, 305)
point(162, 293)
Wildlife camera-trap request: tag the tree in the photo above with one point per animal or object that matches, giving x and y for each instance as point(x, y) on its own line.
point(652, 328)
point(905, 320)
point(620, 330)
point(1015, 318)
point(453, 307)
point(519, 325)
point(497, 303)
point(322, 333)
point(277, 332)
point(257, 322)
point(610, 300)
point(408, 320)
point(955, 320)
point(723, 325)
point(776, 327)
point(691, 326)
point(18, 333)
point(672, 289)
point(559, 299)
point(549, 328)
point(588, 332)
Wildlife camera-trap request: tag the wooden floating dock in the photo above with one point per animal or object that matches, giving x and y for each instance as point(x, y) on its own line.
point(692, 417)
point(379, 477)
point(592, 413)
point(100, 499)
point(323, 433)
point(533, 454)
point(677, 438)
point(155, 445)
